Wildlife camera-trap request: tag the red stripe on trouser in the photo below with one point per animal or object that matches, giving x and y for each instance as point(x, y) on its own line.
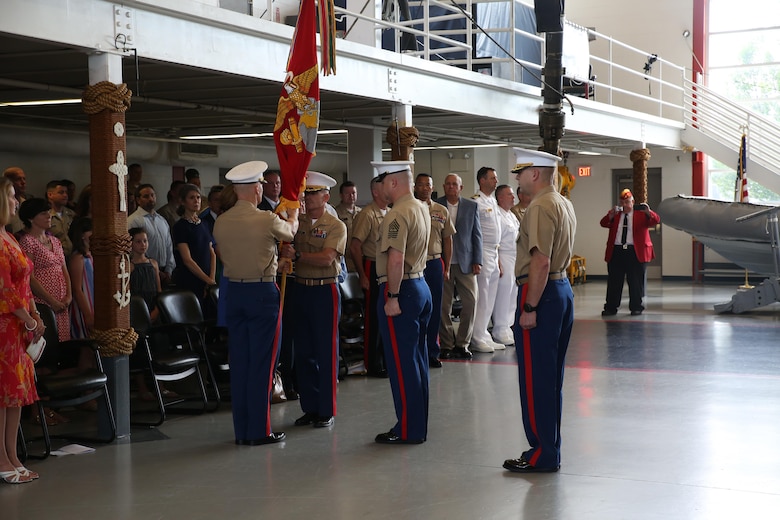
point(443, 266)
point(334, 347)
point(529, 380)
point(401, 387)
point(274, 353)
point(367, 313)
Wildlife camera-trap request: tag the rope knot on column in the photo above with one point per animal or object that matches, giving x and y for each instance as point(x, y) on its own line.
point(106, 96)
point(116, 342)
point(401, 140)
point(116, 245)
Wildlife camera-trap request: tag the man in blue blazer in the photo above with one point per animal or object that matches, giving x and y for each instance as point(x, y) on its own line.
point(465, 266)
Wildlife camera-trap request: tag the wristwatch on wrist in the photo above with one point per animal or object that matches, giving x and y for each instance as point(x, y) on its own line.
point(393, 295)
point(527, 307)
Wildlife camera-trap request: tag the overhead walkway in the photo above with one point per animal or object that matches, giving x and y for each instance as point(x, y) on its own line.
point(460, 91)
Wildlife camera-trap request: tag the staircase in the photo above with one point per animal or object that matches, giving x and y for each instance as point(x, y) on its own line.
point(714, 125)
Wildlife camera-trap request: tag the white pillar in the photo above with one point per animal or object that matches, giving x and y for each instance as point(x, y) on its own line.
point(105, 67)
point(364, 145)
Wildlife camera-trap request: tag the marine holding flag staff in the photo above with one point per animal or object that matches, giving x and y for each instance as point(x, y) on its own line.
point(405, 306)
point(247, 242)
point(629, 249)
point(317, 252)
point(545, 309)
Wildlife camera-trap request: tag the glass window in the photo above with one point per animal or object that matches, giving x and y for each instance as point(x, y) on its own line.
point(744, 65)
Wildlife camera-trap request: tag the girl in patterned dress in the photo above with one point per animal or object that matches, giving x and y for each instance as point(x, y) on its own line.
point(82, 279)
point(19, 324)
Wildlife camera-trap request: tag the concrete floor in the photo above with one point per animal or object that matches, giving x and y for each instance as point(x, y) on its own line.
point(674, 414)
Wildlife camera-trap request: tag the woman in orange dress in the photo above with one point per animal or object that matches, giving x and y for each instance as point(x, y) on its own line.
point(19, 323)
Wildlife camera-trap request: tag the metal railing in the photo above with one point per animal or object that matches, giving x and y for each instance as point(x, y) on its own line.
point(659, 88)
point(723, 120)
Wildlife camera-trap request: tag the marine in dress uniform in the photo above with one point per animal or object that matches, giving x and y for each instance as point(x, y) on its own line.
point(437, 266)
point(405, 306)
point(629, 249)
point(317, 252)
point(247, 242)
point(506, 293)
point(487, 279)
point(362, 247)
point(545, 310)
point(347, 212)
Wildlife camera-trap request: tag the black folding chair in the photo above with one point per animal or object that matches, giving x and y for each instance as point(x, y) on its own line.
point(61, 382)
point(183, 308)
point(161, 358)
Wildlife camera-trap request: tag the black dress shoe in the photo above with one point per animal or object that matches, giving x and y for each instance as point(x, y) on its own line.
point(306, 419)
point(461, 353)
point(323, 422)
point(291, 394)
point(391, 438)
point(446, 353)
point(271, 439)
point(605, 312)
point(434, 362)
point(378, 373)
point(636, 313)
point(522, 466)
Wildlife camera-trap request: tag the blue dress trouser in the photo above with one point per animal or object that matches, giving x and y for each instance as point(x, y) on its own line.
point(404, 337)
point(541, 353)
point(373, 353)
point(434, 277)
point(316, 336)
point(252, 316)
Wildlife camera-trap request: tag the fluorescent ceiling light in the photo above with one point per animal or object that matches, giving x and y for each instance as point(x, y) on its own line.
point(455, 147)
point(581, 152)
point(72, 101)
point(247, 136)
point(225, 136)
point(416, 148)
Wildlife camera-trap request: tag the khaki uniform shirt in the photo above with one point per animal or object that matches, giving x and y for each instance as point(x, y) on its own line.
point(407, 228)
point(247, 240)
point(442, 227)
point(60, 226)
point(327, 232)
point(519, 211)
point(366, 228)
point(347, 218)
point(549, 225)
point(16, 223)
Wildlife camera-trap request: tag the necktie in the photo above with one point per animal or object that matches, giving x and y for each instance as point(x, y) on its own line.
point(625, 229)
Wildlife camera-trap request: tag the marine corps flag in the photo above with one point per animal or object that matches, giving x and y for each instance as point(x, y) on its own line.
point(298, 111)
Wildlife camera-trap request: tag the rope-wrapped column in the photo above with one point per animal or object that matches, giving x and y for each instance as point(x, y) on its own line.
point(402, 141)
point(106, 103)
point(639, 158)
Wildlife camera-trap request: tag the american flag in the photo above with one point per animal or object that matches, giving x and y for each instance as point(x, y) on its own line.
point(741, 189)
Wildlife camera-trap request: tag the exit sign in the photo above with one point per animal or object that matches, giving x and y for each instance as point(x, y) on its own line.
point(583, 171)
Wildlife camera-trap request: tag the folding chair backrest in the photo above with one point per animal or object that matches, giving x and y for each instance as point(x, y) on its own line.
point(180, 307)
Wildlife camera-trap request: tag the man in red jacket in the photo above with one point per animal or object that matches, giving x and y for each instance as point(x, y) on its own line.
point(629, 249)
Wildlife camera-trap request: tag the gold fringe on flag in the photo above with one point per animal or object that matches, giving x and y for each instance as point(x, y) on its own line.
point(327, 20)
